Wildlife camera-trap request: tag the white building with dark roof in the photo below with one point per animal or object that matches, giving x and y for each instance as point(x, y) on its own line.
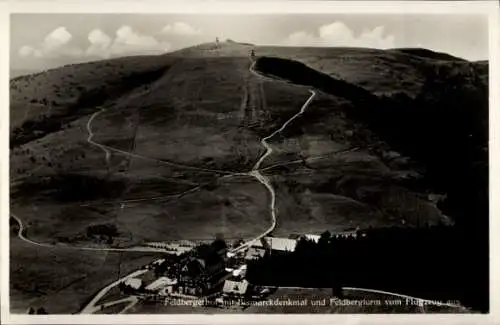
point(350, 232)
point(277, 244)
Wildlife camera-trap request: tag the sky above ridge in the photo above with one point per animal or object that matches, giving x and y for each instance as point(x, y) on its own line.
point(41, 41)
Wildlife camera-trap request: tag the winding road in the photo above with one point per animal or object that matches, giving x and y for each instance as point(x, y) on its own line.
point(255, 172)
point(269, 150)
point(22, 229)
point(91, 307)
point(132, 300)
point(91, 135)
point(21, 236)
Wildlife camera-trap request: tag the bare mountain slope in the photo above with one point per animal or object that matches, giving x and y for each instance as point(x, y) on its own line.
point(175, 122)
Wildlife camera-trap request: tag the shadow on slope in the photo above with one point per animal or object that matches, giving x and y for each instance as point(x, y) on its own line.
point(428, 54)
point(63, 95)
point(299, 73)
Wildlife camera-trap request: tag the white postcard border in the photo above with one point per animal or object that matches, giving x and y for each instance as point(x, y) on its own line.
point(252, 7)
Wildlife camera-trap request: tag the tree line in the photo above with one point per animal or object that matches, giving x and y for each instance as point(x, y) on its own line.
point(425, 262)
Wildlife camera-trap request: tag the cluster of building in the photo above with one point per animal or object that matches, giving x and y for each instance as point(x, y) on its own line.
point(211, 270)
point(191, 272)
point(176, 248)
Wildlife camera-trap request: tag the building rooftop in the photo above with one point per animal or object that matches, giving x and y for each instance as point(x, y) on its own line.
point(133, 282)
point(236, 287)
point(192, 268)
point(158, 262)
point(160, 283)
point(240, 271)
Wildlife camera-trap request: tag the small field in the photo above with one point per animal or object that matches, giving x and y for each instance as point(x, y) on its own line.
point(234, 208)
point(346, 191)
point(62, 280)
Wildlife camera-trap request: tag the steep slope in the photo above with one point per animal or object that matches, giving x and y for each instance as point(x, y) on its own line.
point(190, 116)
point(74, 91)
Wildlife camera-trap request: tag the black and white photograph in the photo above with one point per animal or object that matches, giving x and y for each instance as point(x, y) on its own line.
point(249, 163)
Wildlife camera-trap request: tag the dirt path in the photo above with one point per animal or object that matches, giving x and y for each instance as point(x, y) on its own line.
point(21, 235)
point(91, 135)
point(255, 172)
point(91, 307)
point(269, 150)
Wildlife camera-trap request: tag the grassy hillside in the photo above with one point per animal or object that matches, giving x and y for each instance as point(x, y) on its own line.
point(424, 53)
point(73, 91)
point(378, 71)
point(386, 134)
point(190, 116)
